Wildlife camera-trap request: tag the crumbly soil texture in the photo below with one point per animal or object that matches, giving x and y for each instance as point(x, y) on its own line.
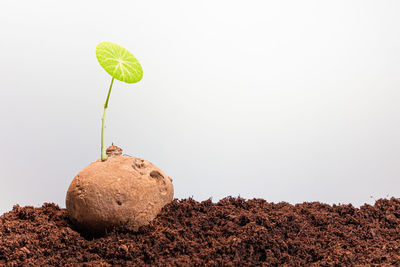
point(232, 232)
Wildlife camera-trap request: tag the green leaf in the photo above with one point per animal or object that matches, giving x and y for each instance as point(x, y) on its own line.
point(119, 62)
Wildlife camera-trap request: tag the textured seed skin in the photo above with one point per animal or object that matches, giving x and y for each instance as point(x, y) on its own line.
point(121, 192)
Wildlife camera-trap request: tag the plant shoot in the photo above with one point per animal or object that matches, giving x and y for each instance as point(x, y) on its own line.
point(121, 65)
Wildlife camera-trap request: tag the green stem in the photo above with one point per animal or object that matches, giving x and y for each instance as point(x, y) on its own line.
point(103, 148)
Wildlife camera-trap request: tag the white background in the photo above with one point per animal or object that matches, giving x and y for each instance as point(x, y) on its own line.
point(282, 100)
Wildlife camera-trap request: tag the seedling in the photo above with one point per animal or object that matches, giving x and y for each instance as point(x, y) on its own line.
point(121, 65)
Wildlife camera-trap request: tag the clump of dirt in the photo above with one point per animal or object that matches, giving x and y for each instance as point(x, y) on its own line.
point(232, 232)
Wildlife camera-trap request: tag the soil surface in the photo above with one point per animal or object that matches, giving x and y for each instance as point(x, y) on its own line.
point(232, 232)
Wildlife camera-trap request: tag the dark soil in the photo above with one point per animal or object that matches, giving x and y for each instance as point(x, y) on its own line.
point(232, 232)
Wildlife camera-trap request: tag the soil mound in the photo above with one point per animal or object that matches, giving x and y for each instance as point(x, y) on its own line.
point(232, 232)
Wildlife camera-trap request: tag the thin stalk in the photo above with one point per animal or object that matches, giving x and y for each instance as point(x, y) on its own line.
point(103, 148)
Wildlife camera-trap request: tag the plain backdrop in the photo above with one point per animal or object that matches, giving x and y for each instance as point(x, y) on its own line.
point(283, 100)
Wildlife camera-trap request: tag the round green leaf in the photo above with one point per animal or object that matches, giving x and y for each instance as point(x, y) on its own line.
point(119, 62)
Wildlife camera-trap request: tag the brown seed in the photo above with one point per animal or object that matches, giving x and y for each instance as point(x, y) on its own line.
point(111, 194)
